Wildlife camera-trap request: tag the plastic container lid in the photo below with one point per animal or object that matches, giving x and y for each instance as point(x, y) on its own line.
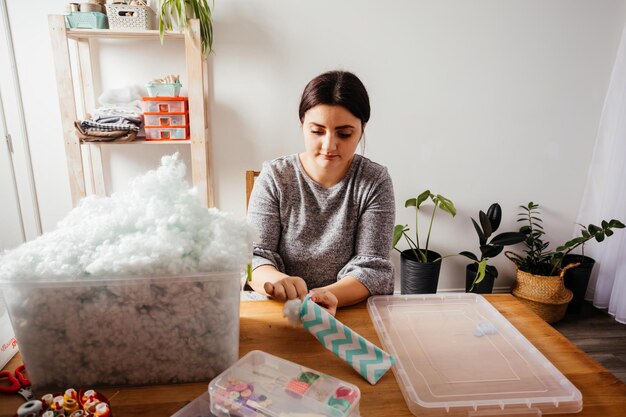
point(457, 355)
point(262, 385)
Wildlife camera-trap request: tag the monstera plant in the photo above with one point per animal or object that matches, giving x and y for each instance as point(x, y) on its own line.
point(420, 266)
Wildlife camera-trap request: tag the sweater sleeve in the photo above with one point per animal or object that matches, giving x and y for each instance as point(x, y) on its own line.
point(371, 264)
point(264, 217)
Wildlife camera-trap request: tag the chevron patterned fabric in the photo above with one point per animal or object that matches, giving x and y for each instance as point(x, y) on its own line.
point(365, 357)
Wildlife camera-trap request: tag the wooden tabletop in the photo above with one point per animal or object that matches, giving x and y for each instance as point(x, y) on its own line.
point(264, 328)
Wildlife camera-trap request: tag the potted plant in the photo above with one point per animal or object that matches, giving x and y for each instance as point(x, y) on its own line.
point(175, 14)
point(479, 275)
point(420, 266)
point(540, 272)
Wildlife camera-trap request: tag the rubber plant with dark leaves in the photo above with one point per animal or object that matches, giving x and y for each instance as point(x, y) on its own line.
point(489, 223)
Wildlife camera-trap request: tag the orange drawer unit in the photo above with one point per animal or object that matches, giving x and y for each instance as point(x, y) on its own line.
point(166, 118)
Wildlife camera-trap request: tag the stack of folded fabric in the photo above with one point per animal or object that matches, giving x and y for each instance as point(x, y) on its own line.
point(111, 123)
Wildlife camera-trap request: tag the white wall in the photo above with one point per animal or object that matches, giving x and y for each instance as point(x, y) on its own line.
point(480, 101)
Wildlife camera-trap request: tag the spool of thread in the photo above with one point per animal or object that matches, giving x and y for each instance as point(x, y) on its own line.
point(32, 408)
point(102, 410)
point(88, 395)
point(47, 400)
point(57, 403)
point(70, 394)
point(78, 413)
point(70, 406)
point(48, 413)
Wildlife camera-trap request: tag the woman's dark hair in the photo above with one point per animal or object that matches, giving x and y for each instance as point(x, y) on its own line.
point(340, 88)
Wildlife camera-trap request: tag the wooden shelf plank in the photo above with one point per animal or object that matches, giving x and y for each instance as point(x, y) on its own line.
point(147, 142)
point(121, 34)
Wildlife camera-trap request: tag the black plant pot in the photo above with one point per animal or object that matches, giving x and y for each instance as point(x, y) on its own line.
point(484, 287)
point(417, 277)
point(577, 279)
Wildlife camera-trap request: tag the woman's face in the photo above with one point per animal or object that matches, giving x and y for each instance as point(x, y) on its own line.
point(331, 136)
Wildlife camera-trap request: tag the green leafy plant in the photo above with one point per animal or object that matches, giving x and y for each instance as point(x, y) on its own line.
point(178, 12)
point(489, 223)
point(541, 261)
point(401, 230)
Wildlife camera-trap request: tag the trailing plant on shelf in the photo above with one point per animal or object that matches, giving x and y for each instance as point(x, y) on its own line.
point(538, 259)
point(176, 13)
point(489, 223)
point(399, 230)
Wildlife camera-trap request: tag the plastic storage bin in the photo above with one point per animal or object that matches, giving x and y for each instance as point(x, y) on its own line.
point(125, 331)
point(124, 16)
point(163, 89)
point(86, 20)
point(153, 105)
point(262, 385)
point(458, 356)
point(166, 119)
point(167, 133)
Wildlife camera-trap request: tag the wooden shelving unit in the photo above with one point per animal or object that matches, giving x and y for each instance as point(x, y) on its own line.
point(200, 135)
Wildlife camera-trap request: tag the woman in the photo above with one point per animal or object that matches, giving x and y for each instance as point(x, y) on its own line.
point(325, 217)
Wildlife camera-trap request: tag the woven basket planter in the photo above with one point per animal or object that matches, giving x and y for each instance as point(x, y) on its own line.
point(545, 295)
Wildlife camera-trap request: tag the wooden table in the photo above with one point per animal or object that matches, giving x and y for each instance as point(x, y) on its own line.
point(264, 328)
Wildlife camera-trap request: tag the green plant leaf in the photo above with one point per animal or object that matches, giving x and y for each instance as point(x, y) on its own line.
point(494, 213)
point(599, 236)
point(469, 255)
point(593, 229)
point(446, 205)
point(508, 238)
point(485, 223)
point(616, 224)
point(411, 202)
point(491, 251)
point(608, 232)
point(491, 270)
point(398, 230)
point(423, 197)
point(481, 236)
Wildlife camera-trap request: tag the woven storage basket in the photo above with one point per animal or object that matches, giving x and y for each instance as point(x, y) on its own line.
point(122, 16)
point(545, 295)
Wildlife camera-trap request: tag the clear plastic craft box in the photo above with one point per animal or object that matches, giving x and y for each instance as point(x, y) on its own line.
point(125, 331)
point(263, 385)
point(458, 356)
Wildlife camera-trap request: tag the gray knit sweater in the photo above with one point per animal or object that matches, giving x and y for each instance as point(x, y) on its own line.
point(324, 234)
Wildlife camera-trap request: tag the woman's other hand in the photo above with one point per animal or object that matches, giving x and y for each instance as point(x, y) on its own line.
point(286, 289)
point(326, 299)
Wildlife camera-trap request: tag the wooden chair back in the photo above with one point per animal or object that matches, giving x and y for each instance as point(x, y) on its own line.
point(250, 177)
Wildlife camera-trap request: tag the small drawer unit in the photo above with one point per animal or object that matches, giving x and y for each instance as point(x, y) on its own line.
point(166, 118)
point(155, 105)
point(167, 133)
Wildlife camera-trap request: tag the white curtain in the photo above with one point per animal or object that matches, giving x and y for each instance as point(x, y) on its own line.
point(605, 196)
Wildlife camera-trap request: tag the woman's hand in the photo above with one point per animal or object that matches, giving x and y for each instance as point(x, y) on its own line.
point(326, 299)
point(286, 289)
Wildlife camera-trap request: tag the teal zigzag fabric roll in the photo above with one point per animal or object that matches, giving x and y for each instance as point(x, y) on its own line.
point(365, 357)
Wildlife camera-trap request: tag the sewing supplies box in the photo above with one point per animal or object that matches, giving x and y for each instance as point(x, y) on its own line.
point(166, 118)
point(263, 385)
point(125, 330)
point(458, 356)
point(86, 20)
